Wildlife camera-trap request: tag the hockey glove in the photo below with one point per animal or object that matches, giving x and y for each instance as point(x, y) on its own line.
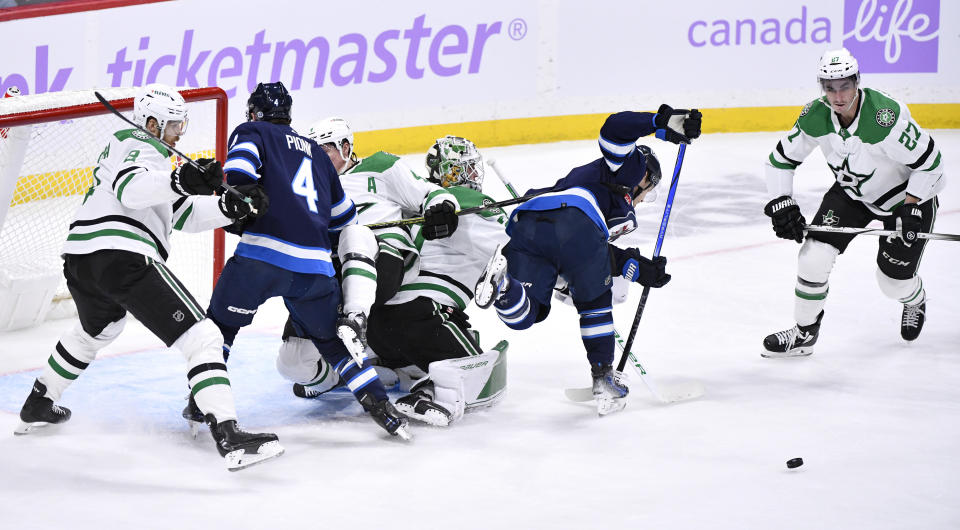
point(677, 125)
point(909, 222)
point(235, 207)
point(788, 222)
point(189, 180)
point(440, 220)
point(646, 272)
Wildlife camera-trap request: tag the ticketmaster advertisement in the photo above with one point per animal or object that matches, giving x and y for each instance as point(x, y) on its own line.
point(386, 65)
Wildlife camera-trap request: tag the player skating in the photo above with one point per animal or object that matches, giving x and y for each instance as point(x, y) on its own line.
point(114, 263)
point(886, 167)
point(287, 252)
point(565, 232)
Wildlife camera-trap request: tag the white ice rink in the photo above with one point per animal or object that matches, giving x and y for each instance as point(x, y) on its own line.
point(876, 420)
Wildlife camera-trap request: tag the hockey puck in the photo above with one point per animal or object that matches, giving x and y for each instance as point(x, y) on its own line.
point(794, 463)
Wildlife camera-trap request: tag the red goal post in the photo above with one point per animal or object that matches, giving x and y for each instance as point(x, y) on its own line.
point(49, 145)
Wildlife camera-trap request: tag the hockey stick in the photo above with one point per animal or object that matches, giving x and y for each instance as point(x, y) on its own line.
point(665, 393)
point(506, 183)
point(877, 232)
point(192, 162)
point(466, 211)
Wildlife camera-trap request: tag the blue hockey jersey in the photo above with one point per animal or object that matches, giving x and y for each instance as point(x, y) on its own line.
point(308, 207)
point(599, 188)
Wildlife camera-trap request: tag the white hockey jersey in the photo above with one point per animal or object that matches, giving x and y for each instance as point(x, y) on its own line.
point(131, 205)
point(450, 267)
point(384, 188)
point(878, 159)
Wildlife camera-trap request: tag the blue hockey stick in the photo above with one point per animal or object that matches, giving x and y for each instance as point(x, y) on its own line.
point(656, 252)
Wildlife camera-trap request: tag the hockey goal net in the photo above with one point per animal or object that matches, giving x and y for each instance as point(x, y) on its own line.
point(49, 145)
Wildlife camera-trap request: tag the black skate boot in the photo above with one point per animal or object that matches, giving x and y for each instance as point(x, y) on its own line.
point(911, 322)
point(242, 449)
point(386, 416)
point(794, 342)
point(193, 415)
point(608, 391)
point(39, 411)
point(419, 405)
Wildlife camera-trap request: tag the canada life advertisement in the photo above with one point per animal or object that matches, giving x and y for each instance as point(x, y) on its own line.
point(388, 65)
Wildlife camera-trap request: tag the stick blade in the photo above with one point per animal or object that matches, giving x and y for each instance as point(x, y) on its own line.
point(681, 391)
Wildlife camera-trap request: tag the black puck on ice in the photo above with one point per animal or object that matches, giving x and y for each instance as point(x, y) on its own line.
point(794, 462)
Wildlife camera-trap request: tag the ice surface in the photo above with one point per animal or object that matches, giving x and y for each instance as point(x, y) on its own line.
point(877, 421)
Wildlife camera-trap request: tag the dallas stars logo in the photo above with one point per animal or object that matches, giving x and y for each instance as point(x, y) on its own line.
point(886, 117)
point(830, 219)
point(848, 179)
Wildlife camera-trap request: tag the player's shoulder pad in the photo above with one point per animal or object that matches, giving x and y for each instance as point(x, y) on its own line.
point(136, 136)
point(815, 119)
point(377, 163)
point(878, 115)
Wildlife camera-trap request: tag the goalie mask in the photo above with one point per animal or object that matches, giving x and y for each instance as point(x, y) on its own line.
point(334, 131)
point(163, 104)
point(455, 161)
point(269, 102)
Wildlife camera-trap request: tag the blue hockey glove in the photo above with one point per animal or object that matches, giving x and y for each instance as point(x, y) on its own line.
point(646, 272)
point(677, 125)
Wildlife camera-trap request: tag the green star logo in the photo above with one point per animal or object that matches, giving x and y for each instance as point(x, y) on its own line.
point(848, 179)
point(886, 117)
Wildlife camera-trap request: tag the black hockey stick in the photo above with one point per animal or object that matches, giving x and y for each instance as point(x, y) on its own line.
point(656, 252)
point(877, 232)
point(466, 211)
point(192, 162)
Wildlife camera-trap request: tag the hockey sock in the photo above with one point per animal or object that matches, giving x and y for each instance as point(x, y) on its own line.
point(75, 351)
point(514, 307)
point(361, 380)
point(596, 328)
point(810, 299)
point(909, 291)
point(814, 263)
point(206, 372)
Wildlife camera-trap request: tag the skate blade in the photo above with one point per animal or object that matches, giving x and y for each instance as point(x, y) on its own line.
point(796, 352)
point(194, 428)
point(355, 348)
point(27, 428)
point(609, 406)
point(403, 433)
point(485, 290)
point(240, 459)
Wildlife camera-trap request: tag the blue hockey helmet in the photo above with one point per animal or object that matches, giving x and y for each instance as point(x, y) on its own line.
point(653, 165)
point(639, 162)
point(270, 101)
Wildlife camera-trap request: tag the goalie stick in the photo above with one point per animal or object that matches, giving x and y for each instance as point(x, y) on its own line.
point(877, 232)
point(192, 162)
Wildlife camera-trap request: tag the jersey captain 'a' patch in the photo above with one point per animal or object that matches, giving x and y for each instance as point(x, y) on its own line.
point(849, 179)
point(886, 117)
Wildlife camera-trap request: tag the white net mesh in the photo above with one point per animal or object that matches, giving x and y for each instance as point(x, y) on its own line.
point(46, 167)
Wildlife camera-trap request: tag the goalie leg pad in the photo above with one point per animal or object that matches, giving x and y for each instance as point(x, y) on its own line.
point(904, 291)
point(202, 346)
point(75, 351)
point(299, 361)
point(476, 381)
point(814, 264)
point(358, 252)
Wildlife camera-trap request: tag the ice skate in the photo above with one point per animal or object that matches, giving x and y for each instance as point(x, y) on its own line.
point(794, 342)
point(352, 330)
point(39, 411)
point(608, 391)
point(193, 415)
point(242, 449)
point(386, 416)
point(492, 281)
point(911, 322)
point(419, 405)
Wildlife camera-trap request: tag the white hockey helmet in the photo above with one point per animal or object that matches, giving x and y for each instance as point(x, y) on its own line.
point(332, 130)
point(161, 103)
point(455, 161)
point(838, 64)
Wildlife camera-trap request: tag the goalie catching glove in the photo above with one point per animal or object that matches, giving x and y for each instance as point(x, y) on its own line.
point(236, 207)
point(677, 126)
point(787, 220)
point(192, 180)
point(634, 267)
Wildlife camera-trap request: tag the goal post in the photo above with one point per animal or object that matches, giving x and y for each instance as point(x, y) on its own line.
point(49, 145)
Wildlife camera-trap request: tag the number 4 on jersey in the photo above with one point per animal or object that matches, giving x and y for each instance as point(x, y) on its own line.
point(303, 184)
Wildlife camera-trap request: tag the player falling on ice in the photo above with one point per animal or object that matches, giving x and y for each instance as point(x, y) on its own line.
point(566, 232)
point(114, 263)
point(886, 167)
